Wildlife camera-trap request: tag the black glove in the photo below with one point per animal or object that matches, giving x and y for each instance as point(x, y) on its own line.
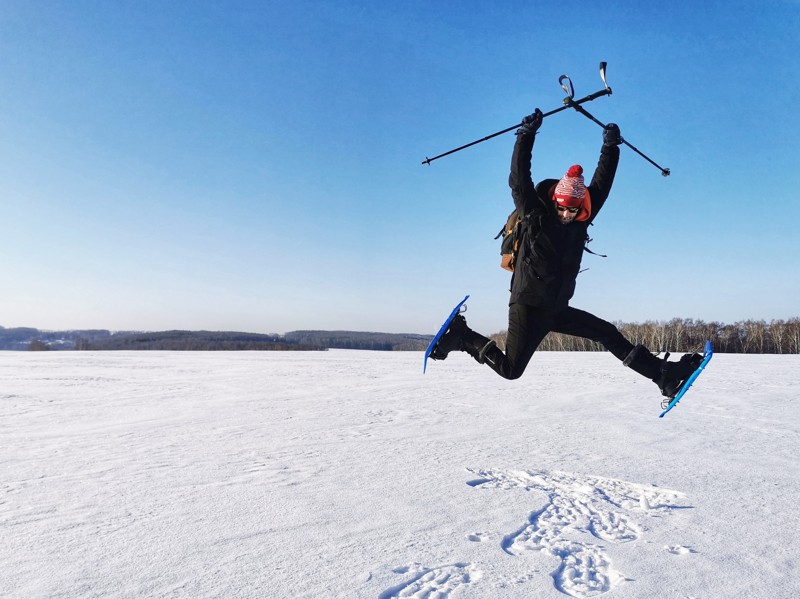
point(611, 136)
point(531, 123)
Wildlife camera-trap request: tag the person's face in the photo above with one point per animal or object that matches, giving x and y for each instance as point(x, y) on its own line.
point(566, 215)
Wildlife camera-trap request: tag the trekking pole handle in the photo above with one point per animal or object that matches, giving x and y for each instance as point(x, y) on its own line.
point(568, 103)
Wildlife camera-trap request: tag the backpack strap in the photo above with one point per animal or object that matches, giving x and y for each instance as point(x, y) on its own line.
point(586, 248)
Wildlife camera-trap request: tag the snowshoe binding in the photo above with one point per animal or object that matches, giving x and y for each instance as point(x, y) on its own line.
point(452, 340)
point(708, 353)
point(674, 374)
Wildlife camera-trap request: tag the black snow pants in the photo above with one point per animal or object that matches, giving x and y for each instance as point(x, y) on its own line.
point(527, 327)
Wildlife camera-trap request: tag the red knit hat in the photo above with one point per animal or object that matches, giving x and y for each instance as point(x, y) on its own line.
point(571, 191)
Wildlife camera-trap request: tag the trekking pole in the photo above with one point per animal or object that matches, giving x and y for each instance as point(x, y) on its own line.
point(568, 103)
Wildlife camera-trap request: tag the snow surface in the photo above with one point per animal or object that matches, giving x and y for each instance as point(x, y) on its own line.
point(350, 474)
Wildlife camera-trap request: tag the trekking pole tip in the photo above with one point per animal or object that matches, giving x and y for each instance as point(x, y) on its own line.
point(665, 172)
point(426, 161)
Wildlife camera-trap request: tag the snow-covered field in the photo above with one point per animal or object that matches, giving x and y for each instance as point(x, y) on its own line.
point(349, 474)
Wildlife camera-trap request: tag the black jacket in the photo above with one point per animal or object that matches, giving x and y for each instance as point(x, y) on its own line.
point(550, 253)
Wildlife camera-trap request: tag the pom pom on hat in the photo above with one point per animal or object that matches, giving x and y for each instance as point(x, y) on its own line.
point(570, 190)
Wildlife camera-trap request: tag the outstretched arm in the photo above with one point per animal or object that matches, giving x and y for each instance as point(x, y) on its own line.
point(520, 180)
point(606, 170)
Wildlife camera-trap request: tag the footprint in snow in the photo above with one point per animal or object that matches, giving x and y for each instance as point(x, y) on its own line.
point(576, 504)
point(480, 537)
point(433, 582)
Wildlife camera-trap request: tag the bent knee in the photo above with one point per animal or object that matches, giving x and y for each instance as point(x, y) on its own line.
point(513, 375)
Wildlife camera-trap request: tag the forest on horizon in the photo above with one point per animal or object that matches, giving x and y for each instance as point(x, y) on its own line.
point(747, 337)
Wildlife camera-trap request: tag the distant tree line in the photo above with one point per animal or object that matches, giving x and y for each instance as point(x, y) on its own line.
point(749, 336)
point(195, 341)
point(27, 338)
point(743, 337)
point(360, 340)
point(99, 340)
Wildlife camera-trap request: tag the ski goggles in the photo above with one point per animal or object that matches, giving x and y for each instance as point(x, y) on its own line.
point(568, 209)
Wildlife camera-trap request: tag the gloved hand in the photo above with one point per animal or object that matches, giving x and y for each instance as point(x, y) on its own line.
point(531, 123)
point(611, 136)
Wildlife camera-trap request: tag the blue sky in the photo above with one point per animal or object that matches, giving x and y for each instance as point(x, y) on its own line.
point(257, 165)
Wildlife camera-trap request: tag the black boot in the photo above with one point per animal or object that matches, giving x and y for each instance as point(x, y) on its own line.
point(674, 374)
point(642, 361)
point(459, 337)
point(669, 376)
point(452, 340)
point(477, 346)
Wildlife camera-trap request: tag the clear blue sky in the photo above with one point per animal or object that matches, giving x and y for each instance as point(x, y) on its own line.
point(256, 165)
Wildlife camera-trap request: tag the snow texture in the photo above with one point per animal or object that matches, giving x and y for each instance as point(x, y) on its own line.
point(350, 474)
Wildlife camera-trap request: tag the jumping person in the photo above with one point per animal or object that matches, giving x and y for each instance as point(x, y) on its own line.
point(555, 217)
